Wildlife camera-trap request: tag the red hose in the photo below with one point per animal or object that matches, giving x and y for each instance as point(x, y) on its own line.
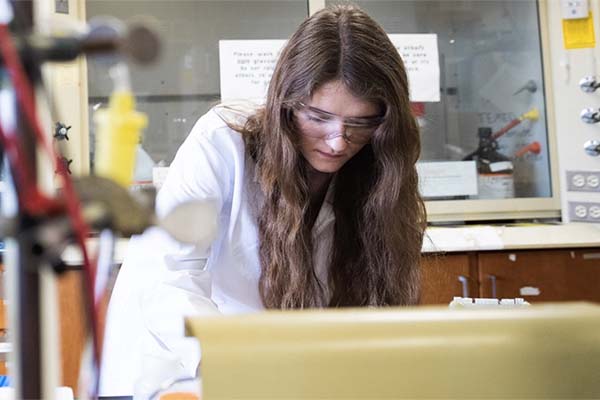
point(33, 200)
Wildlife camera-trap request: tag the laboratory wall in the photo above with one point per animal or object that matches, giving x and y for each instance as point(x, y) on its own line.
point(479, 85)
point(568, 67)
point(185, 82)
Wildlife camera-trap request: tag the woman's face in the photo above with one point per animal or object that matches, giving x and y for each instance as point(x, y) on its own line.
point(334, 125)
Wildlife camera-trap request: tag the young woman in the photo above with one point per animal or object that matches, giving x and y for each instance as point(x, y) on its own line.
point(315, 192)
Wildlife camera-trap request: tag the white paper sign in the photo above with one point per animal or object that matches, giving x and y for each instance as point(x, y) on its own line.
point(451, 178)
point(421, 60)
point(246, 67)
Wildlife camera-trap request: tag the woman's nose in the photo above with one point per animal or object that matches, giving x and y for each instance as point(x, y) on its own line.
point(336, 142)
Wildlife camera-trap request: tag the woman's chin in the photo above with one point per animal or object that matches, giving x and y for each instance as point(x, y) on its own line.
point(326, 167)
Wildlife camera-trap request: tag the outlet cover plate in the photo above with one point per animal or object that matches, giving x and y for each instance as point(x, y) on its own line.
point(583, 181)
point(580, 211)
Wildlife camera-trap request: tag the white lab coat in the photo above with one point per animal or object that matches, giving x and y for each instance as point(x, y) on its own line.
point(162, 281)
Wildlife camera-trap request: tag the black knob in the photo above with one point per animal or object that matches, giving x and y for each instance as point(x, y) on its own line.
point(61, 131)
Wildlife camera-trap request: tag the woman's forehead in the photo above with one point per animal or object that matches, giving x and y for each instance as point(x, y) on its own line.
point(335, 98)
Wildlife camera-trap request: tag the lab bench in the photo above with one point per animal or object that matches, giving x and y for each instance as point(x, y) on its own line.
point(538, 275)
point(537, 262)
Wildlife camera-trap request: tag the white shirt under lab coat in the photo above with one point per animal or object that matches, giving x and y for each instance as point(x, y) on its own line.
point(162, 281)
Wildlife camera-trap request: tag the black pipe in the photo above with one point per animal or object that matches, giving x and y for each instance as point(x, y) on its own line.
point(28, 355)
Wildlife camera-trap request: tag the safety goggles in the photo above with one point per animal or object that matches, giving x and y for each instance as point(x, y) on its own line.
point(323, 125)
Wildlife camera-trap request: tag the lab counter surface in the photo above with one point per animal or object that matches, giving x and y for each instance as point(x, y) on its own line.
point(462, 238)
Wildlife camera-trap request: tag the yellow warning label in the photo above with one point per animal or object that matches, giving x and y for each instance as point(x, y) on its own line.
point(579, 33)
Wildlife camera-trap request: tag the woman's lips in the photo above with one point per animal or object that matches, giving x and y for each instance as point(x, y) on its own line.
point(329, 156)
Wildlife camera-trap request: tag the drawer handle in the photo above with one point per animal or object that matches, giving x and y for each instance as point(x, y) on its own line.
point(493, 282)
point(465, 285)
point(591, 256)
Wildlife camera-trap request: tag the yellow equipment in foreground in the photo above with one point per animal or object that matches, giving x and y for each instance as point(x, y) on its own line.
point(117, 136)
point(542, 351)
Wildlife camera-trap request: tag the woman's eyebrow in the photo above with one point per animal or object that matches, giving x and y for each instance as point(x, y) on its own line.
point(319, 111)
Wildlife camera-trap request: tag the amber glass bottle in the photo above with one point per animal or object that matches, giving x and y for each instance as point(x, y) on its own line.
point(495, 177)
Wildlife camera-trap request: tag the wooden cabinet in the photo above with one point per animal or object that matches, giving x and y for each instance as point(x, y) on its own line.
point(535, 275)
point(446, 276)
point(72, 326)
point(583, 274)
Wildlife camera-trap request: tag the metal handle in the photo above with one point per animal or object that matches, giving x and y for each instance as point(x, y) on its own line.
point(465, 285)
point(590, 115)
point(592, 147)
point(589, 84)
point(493, 281)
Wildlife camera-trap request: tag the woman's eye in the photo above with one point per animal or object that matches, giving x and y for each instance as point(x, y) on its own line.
point(360, 131)
point(316, 119)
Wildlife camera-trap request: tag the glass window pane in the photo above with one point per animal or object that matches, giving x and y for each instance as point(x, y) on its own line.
point(491, 75)
point(184, 83)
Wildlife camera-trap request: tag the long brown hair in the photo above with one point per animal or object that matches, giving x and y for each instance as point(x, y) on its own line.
point(379, 215)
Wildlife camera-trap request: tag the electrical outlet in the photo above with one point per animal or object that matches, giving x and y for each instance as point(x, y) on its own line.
point(584, 212)
point(594, 212)
point(583, 181)
point(574, 9)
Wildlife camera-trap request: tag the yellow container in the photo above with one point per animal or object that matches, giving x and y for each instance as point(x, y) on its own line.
point(118, 131)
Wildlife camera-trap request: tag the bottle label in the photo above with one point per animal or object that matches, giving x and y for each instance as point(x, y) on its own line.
point(496, 186)
point(501, 166)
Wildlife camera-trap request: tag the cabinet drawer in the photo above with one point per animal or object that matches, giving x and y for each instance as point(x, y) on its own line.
point(583, 275)
point(446, 276)
point(534, 275)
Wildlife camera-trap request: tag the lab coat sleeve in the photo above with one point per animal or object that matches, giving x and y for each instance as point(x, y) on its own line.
point(200, 171)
